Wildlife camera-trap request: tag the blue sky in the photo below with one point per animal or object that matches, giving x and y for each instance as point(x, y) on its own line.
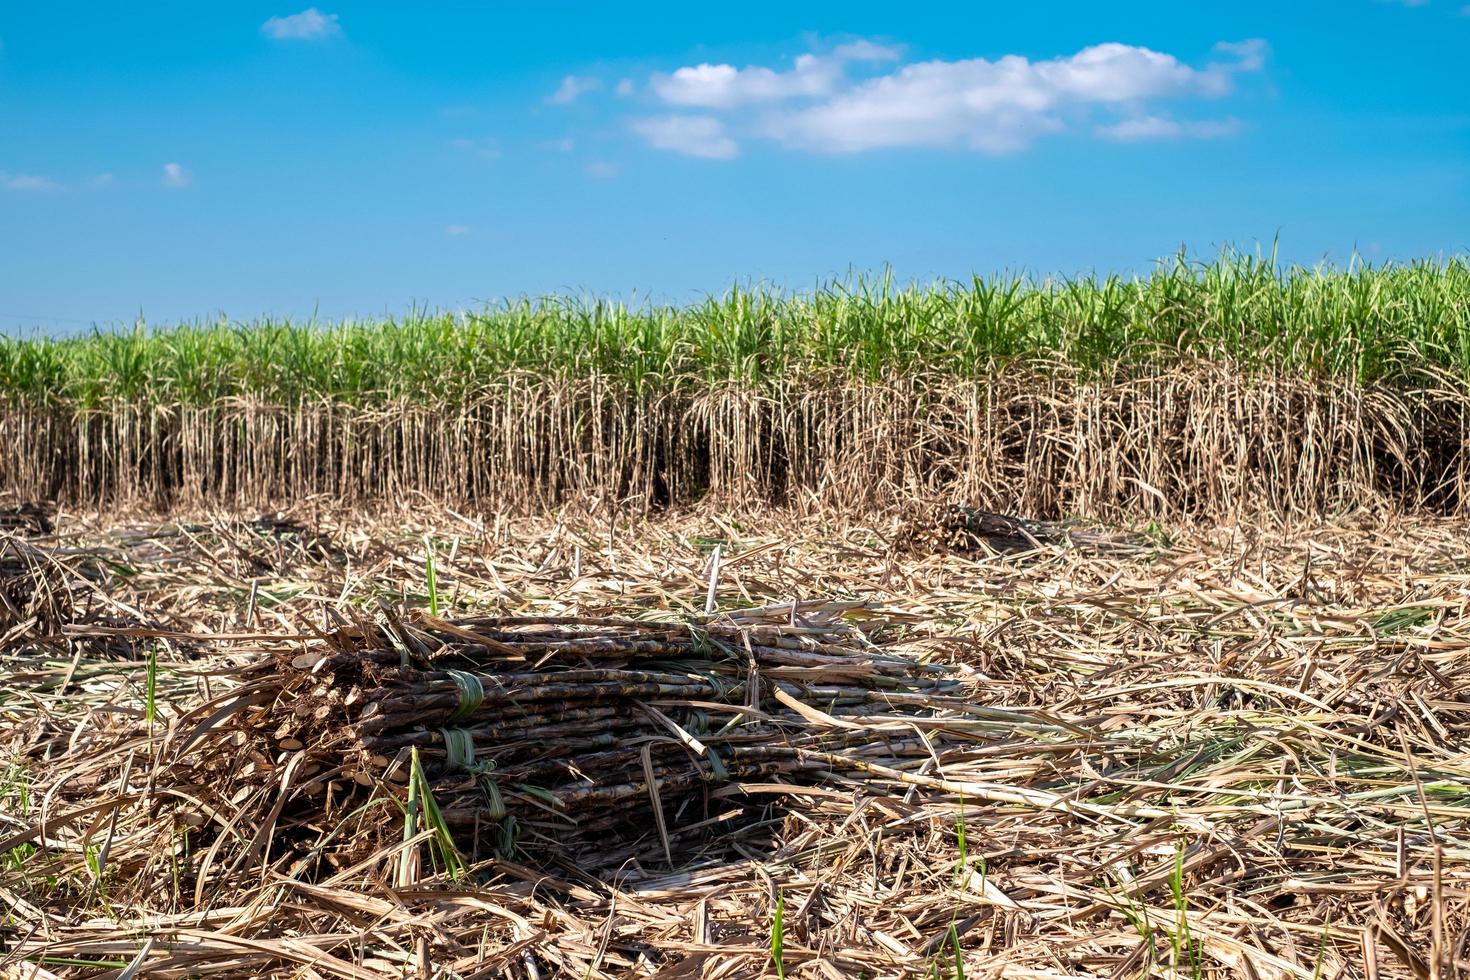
point(184, 160)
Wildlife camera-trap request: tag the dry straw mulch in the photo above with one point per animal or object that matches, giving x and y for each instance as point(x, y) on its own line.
point(1236, 753)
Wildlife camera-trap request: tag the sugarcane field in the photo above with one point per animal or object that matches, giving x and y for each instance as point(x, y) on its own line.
point(796, 491)
point(1137, 664)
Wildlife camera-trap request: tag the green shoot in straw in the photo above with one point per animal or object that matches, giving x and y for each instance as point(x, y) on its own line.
point(431, 576)
point(778, 936)
point(150, 705)
point(421, 802)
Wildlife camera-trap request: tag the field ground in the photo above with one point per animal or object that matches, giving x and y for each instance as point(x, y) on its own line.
point(1210, 751)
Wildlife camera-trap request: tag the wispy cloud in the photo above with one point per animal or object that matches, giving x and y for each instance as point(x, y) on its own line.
point(174, 175)
point(1164, 128)
point(309, 25)
point(625, 88)
point(1249, 55)
point(851, 100)
point(35, 182)
point(602, 169)
point(572, 88)
point(693, 136)
point(865, 50)
point(484, 149)
point(455, 231)
point(26, 182)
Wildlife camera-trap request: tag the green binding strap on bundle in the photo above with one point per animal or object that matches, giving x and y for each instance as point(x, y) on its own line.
point(494, 802)
point(459, 747)
point(471, 695)
point(718, 773)
point(459, 751)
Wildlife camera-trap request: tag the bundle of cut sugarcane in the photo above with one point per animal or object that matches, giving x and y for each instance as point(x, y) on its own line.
point(562, 730)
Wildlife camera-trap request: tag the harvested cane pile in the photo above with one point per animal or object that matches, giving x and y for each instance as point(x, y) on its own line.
point(27, 517)
point(970, 530)
point(42, 591)
point(35, 594)
point(559, 734)
point(56, 600)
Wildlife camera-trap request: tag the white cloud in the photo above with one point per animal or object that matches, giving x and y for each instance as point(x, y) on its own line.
point(1115, 72)
point(725, 86)
point(455, 231)
point(997, 106)
point(174, 175)
point(1141, 128)
point(694, 136)
point(26, 182)
point(625, 88)
point(572, 88)
point(309, 25)
point(601, 169)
